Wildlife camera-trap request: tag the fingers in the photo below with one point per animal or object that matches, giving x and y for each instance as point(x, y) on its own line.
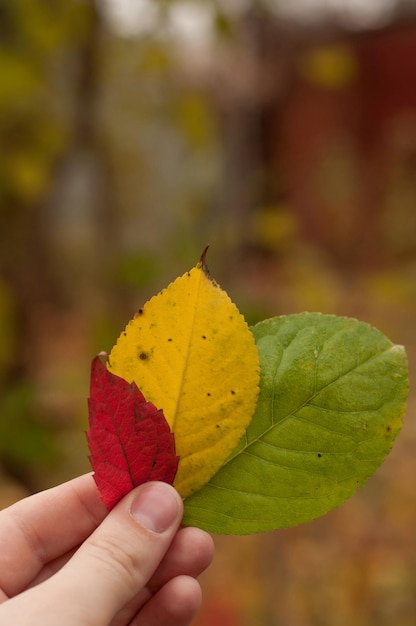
point(190, 553)
point(136, 563)
point(176, 604)
point(118, 559)
point(42, 527)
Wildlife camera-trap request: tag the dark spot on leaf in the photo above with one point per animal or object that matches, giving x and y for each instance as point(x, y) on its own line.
point(143, 356)
point(232, 392)
point(388, 429)
point(188, 273)
point(170, 339)
point(319, 455)
point(140, 311)
point(204, 336)
point(208, 394)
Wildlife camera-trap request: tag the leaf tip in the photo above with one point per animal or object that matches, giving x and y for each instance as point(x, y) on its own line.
point(99, 360)
point(202, 262)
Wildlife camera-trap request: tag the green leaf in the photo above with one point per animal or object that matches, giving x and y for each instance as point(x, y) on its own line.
point(332, 398)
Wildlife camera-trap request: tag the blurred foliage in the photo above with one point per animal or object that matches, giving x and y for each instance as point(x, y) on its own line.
point(8, 328)
point(332, 67)
point(23, 440)
point(33, 119)
point(139, 270)
point(34, 130)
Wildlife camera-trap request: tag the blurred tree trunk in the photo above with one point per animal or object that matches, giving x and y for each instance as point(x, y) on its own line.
point(52, 239)
point(250, 120)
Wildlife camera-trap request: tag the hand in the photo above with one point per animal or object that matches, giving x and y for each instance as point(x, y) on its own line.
point(65, 560)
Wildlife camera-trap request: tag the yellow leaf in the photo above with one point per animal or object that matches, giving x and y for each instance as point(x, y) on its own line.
point(190, 352)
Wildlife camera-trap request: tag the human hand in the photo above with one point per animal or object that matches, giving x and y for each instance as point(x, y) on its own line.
point(65, 560)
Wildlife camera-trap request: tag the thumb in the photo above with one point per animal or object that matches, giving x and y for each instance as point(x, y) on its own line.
point(118, 559)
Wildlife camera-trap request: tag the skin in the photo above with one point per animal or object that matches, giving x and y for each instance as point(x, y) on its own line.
point(65, 560)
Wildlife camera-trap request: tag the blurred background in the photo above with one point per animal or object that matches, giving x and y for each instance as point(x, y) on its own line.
point(133, 133)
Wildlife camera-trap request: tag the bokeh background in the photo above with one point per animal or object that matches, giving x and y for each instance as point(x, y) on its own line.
point(133, 133)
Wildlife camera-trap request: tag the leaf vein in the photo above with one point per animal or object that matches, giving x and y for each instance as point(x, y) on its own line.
point(307, 402)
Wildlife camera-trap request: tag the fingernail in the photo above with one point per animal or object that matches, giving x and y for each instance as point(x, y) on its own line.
point(155, 507)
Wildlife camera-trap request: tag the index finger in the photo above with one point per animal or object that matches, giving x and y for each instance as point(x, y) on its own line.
point(44, 526)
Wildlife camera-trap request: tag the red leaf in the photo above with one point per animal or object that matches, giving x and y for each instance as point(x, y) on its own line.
point(129, 439)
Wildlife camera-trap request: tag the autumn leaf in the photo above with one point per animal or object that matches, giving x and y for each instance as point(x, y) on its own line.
point(332, 397)
point(190, 352)
point(333, 394)
point(129, 439)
